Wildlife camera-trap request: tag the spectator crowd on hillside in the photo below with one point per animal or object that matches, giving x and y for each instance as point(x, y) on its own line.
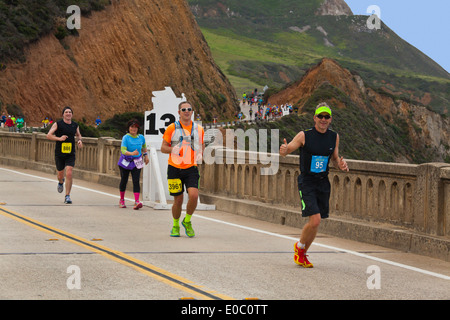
point(260, 111)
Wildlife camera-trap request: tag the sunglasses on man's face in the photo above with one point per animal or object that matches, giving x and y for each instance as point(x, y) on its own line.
point(321, 116)
point(186, 109)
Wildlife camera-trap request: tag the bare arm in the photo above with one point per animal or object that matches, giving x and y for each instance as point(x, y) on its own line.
point(297, 142)
point(51, 134)
point(145, 155)
point(338, 162)
point(78, 135)
point(166, 147)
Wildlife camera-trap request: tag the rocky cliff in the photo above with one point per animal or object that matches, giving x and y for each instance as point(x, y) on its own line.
point(334, 8)
point(414, 133)
point(120, 55)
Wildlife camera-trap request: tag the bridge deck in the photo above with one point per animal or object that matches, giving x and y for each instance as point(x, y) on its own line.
point(128, 254)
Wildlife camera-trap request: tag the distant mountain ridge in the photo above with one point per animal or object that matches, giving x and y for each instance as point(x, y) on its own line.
point(266, 42)
point(390, 101)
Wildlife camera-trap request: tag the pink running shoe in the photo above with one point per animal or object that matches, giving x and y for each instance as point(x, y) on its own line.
point(137, 205)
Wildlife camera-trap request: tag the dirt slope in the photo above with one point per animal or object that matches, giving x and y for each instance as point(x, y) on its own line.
point(120, 56)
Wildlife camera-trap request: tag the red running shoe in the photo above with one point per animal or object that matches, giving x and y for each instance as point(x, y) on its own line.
point(301, 258)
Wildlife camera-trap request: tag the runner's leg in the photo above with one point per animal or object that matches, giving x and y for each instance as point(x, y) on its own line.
point(309, 231)
point(193, 200)
point(60, 176)
point(69, 179)
point(176, 207)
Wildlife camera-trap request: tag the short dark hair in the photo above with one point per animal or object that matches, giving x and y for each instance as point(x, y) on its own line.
point(65, 108)
point(133, 122)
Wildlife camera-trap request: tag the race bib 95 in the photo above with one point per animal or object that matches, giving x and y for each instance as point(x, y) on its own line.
point(319, 164)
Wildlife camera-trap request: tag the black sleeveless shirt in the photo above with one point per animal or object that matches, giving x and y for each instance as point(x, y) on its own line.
point(68, 146)
point(316, 153)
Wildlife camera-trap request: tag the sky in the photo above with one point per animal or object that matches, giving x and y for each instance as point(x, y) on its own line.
point(423, 24)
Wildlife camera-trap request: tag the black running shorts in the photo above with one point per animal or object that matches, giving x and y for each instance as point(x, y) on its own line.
point(314, 196)
point(63, 161)
point(178, 179)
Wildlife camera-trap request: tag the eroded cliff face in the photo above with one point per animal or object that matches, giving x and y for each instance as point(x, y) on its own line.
point(327, 70)
point(121, 55)
point(427, 130)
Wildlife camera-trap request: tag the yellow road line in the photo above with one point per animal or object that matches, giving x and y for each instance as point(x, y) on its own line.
point(146, 268)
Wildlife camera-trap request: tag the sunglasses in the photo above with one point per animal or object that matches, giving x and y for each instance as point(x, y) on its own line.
point(321, 116)
point(186, 109)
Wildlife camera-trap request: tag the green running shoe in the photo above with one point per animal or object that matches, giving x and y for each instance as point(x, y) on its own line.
point(175, 232)
point(188, 228)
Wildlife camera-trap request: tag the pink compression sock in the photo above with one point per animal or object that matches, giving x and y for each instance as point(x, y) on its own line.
point(122, 195)
point(136, 196)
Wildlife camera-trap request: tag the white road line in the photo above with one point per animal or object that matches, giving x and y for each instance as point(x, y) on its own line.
point(73, 185)
point(362, 255)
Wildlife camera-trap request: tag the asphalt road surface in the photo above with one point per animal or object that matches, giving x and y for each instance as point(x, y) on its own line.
point(94, 250)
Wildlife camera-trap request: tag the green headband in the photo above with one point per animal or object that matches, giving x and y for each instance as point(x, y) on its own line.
point(323, 109)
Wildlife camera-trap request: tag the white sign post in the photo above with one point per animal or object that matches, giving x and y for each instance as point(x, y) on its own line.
point(155, 186)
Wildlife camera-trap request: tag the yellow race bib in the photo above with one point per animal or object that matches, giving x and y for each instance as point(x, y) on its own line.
point(66, 147)
point(174, 185)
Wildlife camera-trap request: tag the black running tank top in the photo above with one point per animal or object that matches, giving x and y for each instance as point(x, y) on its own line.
point(68, 146)
point(316, 153)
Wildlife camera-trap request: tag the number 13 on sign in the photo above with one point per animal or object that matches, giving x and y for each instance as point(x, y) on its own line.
point(154, 126)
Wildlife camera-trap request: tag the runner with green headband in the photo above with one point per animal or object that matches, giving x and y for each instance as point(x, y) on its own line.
point(318, 145)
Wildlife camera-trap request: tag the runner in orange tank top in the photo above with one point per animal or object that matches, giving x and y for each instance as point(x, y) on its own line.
point(183, 141)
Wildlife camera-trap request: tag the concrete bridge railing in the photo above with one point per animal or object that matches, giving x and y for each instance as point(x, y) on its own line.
point(416, 197)
point(99, 155)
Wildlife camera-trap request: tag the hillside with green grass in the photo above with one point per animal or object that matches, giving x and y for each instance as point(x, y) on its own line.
point(274, 42)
